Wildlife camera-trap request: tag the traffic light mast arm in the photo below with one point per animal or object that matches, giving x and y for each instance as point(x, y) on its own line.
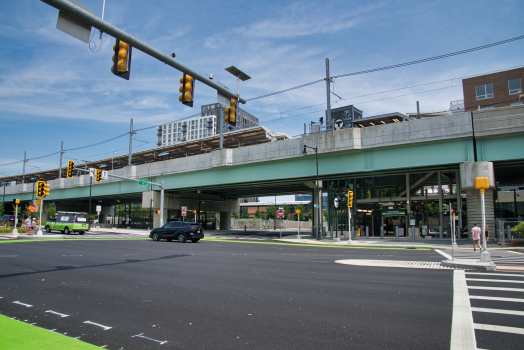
point(84, 16)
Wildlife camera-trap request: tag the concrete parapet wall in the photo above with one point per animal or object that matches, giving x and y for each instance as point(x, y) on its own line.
point(499, 121)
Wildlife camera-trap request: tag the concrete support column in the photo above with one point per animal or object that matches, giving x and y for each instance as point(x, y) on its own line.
point(441, 213)
point(468, 172)
point(408, 201)
point(225, 220)
point(316, 217)
point(459, 203)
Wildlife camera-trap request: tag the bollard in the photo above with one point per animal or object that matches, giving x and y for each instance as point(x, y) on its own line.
point(396, 231)
point(382, 232)
point(367, 231)
point(508, 227)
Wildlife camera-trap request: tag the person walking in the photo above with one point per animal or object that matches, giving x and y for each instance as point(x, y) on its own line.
point(28, 225)
point(33, 225)
point(475, 234)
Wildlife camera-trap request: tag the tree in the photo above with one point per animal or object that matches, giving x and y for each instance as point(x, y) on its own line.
point(519, 228)
point(271, 212)
point(245, 213)
point(27, 211)
point(257, 215)
point(287, 210)
point(51, 210)
point(1, 208)
point(235, 215)
point(18, 211)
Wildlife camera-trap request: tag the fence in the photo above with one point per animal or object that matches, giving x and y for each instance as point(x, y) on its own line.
point(269, 224)
point(503, 234)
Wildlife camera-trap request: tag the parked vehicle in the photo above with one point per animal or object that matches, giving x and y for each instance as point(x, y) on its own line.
point(179, 230)
point(8, 220)
point(67, 222)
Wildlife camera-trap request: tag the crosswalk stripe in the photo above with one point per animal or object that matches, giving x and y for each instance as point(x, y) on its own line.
point(497, 288)
point(489, 327)
point(498, 311)
point(495, 274)
point(492, 280)
point(509, 251)
point(482, 297)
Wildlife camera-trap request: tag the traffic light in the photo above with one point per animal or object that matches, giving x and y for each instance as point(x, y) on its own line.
point(16, 201)
point(70, 168)
point(350, 199)
point(121, 59)
point(46, 189)
point(98, 175)
point(321, 120)
point(187, 89)
point(230, 114)
point(40, 189)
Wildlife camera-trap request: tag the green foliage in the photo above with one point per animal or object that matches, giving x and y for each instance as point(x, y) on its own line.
point(51, 210)
point(245, 214)
point(271, 212)
point(10, 229)
point(258, 215)
point(519, 229)
point(287, 210)
point(27, 211)
point(235, 215)
point(18, 211)
point(1, 208)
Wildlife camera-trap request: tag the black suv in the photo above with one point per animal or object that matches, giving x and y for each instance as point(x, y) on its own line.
point(179, 230)
point(9, 220)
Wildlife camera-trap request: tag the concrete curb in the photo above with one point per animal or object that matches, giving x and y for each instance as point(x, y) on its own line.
point(470, 265)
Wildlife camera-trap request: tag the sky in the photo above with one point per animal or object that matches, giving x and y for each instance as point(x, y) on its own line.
point(55, 88)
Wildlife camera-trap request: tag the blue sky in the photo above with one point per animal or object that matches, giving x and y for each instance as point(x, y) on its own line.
point(53, 88)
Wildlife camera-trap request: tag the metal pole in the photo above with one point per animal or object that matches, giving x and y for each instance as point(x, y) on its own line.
point(162, 204)
point(221, 127)
point(23, 173)
point(484, 256)
point(61, 155)
point(349, 227)
point(90, 19)
point(515, 202)
point(459, 202)
point(39, 232)
point(130, 141)
point(328, 95)
point(319, 232)
point(441, 214)
point(90, 187)
point(15, 231)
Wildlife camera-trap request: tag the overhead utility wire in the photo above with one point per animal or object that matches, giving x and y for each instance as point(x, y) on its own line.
point(394, 66)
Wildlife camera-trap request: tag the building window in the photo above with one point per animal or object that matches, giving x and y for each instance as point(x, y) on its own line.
point(514, 86)
point(489, 107)
point(484, 91)
point(516, 103)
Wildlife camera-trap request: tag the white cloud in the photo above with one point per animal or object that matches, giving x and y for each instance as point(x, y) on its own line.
point(147, 102)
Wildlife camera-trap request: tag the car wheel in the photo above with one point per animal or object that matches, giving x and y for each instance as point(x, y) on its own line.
point(66, 230)
point(181, 238)
point(156, 237)
point(80, 232)
point(48, 229)
point(194, 240)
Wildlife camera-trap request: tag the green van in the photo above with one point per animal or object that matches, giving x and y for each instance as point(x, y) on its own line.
point(67, 222)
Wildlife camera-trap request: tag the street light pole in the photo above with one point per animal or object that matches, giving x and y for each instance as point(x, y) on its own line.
point(319, 233)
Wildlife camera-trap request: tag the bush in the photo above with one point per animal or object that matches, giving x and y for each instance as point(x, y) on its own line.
point(519, 229)
point(10, 229)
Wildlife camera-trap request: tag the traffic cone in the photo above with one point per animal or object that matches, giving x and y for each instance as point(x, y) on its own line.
point(512, 239)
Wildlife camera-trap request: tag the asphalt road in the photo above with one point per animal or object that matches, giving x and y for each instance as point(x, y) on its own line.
point(214, 294)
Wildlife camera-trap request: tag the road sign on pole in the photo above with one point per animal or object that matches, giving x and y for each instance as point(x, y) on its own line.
point(143, 182)
point(280, 213)
point(184, 211)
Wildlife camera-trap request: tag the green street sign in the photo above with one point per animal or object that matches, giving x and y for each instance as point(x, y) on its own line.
point(315, 205)
point(163, 154)
point(143, 182)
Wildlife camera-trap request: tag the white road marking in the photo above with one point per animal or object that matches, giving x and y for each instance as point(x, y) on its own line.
point(498, 311)
point(72, 255)
point(8, 256)
point(129, 254)
point(99, 325)
point(509, 251)
point(444, 254)
point(238, 254)
point(489, 327)
point(462, 330)
point(394, 263)
point(158, 341)
point(494, 274)
point(19, 303)
point(481, 297)
point(491, 280)
point(57, 313)
point(497, 288)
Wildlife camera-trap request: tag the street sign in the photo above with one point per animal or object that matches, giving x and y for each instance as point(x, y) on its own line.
point(92, 172)
point(162, 154)
point(184, 211)
point(336, 203)
point(297, 211)
point(412, 222)
point(280, 213)
point(31, 208)
point(98, 209)
point(315, 205)
point(143, 182)
point(104, 175)
point(339, 123)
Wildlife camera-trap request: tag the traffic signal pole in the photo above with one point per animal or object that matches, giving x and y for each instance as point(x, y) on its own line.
point(90, 19)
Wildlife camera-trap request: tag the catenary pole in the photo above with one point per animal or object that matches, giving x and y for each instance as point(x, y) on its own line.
point(92, 20)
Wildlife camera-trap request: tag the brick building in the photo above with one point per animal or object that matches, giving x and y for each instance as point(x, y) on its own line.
point(493, 90)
